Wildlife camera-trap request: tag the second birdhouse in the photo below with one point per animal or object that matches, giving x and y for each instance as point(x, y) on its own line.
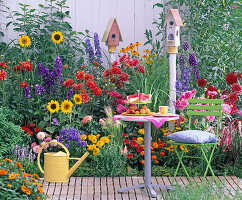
point(173, 22)
point(112, 35)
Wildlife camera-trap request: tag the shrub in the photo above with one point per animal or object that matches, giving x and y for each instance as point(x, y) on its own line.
point(16, 184)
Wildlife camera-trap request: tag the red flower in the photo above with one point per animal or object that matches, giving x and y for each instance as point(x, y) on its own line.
point(97, 92)
point(236, 88)
point(95, 63)
point(30, 125)
point(113, 80)
point(37, 129)
point(141, 69)
point(126, 141)
point(3, 65)
point(123, 58)
point(210, 88)
point(85, 98)
point(233, 97)
point(115, 63)
point(224, 92)
point(120, 84)
point(139, 149)
point(68, 83)
point(125, 135)
point(134, 62)
point(65, 66)
point(83, 66)
point(91, 85)
point(88, 77)
point(133, 144)
point(116, 70)
point(130, 155)
point(23, 84)
point(27, 66)
point(3, 75)
point(231, 78)
point(80, 75)
point(124, 77)
point(106, 73)
point(162, 153)
point(232, 106)
point(30, 133)
point(76, 86)
point(134, 138)
point(201, 82)
point(17, 69)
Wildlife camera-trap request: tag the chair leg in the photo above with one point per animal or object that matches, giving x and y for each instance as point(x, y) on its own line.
point(183, 166)
point(209, 164)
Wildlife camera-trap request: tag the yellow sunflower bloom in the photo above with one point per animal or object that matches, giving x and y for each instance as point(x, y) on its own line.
point(24, 41)
point(57, 37)
point(77, 98)
point(66, 106)
point(96, 151)
point(53, 106)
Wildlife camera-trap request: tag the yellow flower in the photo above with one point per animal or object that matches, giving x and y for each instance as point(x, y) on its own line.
point(91, 147)
point(24, 41)
point(77, 98)
point(98, 135)
point(83, 137)
point(53, 106)
point(12, 176)
point(57, 37)
point(104, 139)
point(185, 150)
point(9, 185)
point(96, 151)
point(123, 50)
point(134, 53)
point(141, 131)
point(66, 106)
point(140, 140)
point(100, 143)
point(94, 140)
point(137, 44)
point(40, 190)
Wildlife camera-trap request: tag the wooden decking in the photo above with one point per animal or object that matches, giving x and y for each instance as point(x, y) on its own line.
point(105, 188)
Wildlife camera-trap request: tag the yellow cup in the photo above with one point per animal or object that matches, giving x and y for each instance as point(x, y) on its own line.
point(163, 109)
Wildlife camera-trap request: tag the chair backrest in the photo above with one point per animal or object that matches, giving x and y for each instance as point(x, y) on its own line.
point(205, 107)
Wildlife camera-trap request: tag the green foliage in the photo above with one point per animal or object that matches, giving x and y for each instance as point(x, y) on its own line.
point(206, 190)
point(10, 134)
point(110, 161)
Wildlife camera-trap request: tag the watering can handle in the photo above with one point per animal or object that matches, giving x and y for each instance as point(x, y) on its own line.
point(38, 158)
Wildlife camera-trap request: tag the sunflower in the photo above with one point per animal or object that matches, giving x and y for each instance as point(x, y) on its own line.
point(57, 37)
point(66, 106)
point(53, 106)
point(24, 41)
point(77, 98)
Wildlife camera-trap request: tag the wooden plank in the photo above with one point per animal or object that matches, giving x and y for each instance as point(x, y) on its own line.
point(237, 181)
point(123, 184)
point(116, 185)
point(90, 188)
point(64, 189)
point(179, 180)
point(137, 191)
point(46, 185)
point(184, 180)
point(223, 182)
point(84, 188)
point(157, 189)
point(78, 187)
point(170, 178)
point(71, 188)
point(160, 181)
point(231, 185)
point(104, 189)
point(144, 191)
point(130, 183)
point(57, 191)
point(97, 188)
point(111, 195)
point(198, 180)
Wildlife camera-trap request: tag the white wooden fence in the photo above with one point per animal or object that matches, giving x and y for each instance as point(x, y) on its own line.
point(133, 16)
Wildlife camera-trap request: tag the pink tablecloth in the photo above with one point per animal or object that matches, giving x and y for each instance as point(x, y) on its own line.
point(157, 121)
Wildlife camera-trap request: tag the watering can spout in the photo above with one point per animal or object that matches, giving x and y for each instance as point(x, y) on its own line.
point(80, 160)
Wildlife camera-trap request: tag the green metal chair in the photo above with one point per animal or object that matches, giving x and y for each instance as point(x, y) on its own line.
point(214, 108)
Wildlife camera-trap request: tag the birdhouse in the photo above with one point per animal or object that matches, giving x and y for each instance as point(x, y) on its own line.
point(112, 35)
point(173, 22)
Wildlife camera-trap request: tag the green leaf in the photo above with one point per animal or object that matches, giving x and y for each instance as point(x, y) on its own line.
point(158, 5)
point(51, 129)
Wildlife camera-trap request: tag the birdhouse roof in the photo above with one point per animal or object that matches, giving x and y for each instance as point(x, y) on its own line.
point(176, 16)
point(108, 28)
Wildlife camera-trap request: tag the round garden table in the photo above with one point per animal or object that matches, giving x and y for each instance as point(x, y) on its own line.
point(147, 120)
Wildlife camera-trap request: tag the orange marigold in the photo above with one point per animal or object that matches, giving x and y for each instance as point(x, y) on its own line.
point(156, 161)
point(142, 153)
point(154, 157)
point(7, 160)
point(3, 172)
point(142, 162)
point(35, 175)
point(40, 190)
point(12, 176)
point(155, 145)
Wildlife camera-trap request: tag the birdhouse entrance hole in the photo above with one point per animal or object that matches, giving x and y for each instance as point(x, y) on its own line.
point(113, 36)
point(171, 23)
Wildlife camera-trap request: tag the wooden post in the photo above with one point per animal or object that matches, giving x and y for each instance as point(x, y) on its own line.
point(172, 66)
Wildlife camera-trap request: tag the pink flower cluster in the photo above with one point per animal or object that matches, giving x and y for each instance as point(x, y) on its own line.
point(182, 102)
point(118, 100)
point(86, 119)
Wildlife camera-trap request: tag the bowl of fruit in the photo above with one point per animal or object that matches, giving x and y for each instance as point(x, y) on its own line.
point(134, 110)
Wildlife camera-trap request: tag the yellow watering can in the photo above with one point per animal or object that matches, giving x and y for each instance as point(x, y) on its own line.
point(56, 164)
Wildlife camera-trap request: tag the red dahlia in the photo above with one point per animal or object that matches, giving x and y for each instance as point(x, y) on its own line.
point(201, 82)
point(233, 97)
point(126, 141)
point(116, 70)
point(91, 85)
point(124, 77)
point(3, 75)
point(141, 69)
point(231, 78)
point(133, 144)
point(88, 77)
point(125, 135)
point(115, 63)
point(236, 88)
point(76, 86)
point(97, 91)
point(85, 98)
point(3, 65)
point(68, 83)
point(106, 73)
point(210, 88)
point(37, 129)
point(80, 75)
